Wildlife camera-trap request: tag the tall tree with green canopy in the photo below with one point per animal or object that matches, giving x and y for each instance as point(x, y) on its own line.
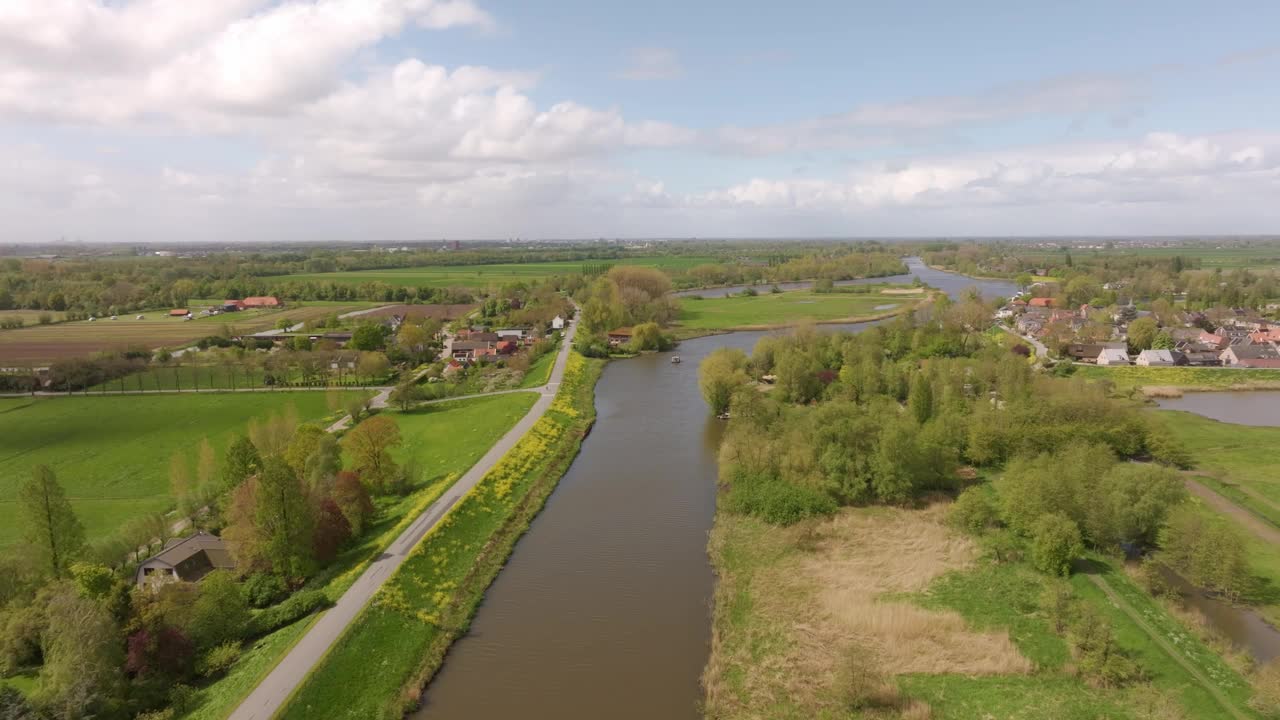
point(285, 518)
point(49, 525)
point(921, 397)
point(1142, 334)
point(83, 657)
point(719, 374)
point(242, 461)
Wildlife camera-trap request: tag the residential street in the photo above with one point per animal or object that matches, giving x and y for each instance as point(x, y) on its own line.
point(272, 693)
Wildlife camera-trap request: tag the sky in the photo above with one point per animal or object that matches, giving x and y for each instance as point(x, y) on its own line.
point(398, 120)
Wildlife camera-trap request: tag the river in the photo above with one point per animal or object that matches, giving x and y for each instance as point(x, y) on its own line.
point(951, 283)
point(1242, 408)
point(604, 608)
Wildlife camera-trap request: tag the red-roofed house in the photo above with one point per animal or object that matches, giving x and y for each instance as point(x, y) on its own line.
point(1041, 302)
point(507, 347)
point(1265, 336)
point(179, 312)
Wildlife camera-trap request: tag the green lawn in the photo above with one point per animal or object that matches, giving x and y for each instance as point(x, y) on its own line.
point(471, 427)
point(429, 601)
point(112, 453)
point(780, 309)
point(485, 275)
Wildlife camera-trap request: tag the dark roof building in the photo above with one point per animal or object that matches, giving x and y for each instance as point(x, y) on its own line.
point(185, 560)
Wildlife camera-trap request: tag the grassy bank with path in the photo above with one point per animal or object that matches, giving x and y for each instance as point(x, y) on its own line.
point(429, 602)
point(472, 426)
point(1174, 380)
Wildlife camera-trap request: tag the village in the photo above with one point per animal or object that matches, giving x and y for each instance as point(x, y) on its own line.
point(1159, 337)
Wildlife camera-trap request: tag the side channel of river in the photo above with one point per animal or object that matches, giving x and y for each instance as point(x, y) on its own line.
point(603, 610)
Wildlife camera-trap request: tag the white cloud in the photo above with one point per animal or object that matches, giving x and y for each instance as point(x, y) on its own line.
point(652, 63)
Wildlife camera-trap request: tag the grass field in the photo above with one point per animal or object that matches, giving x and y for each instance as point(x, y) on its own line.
point(1240, 455)
point(30, 317)
point(423, 607)
point(779, 309)
point(1210, 256)
point(472, 427)
point(112, 453)
point(46, 343)
point(1129, 377)
point(485, 275)
point(938, 624)
point(224, 377)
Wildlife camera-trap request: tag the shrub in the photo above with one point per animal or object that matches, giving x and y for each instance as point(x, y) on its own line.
point(1055, 542)
point(776, 501)
point(974, 512)
point(263, 590)
point(165, 714)
point(220, 659)
point(295, 608)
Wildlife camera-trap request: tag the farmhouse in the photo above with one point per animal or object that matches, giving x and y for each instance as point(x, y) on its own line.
point(261, 301)
point(232, 305)
point(621, 336)
point(185, 560)
point(557, 323)
point(179, 312)
point(1043, 302)
point(473, 349)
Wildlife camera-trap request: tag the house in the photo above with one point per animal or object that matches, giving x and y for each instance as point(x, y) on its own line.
point(260, 301)
point(452, 369)
point(620, 336)
point(1084, 352)
point(1253, 355)
point(1043, 302)
point(1155, 358)
point(510, 334)
point(1209, 339)
point(232, 305)
point(557, 323)
point(1113, 356)
point(1202, 358)
point(1266, 335)
point(179, 312)
point(479, 336)
point(473, 349)
point(506, 347)
point(185, 560)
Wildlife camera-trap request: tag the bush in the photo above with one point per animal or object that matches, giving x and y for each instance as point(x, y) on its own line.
point(776, 501)
point(165, 714)
point(1055, 542)
point(295, 608)
point(974, 512)
point(264, 590)
point(220, 659)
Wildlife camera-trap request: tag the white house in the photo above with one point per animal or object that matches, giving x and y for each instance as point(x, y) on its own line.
point(557, 323)
point(1113, 356)
point(1155, 358)
point(510, 333)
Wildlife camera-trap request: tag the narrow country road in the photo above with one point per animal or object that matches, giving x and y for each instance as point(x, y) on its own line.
point(275, 689)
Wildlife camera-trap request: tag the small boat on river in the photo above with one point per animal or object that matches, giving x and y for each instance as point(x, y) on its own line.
point(675, 359)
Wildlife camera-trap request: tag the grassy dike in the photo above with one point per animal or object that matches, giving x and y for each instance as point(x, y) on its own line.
point(381, 665)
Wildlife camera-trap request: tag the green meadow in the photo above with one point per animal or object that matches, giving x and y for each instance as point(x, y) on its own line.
point(485, 275)
point(112, 453)
point(768, 310)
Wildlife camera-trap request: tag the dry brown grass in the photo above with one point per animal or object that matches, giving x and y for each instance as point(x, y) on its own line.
point(820, 600)
point(1162, 391)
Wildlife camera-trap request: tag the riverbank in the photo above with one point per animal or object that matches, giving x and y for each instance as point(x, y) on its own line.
point(429, 602)
point(728, 314)
point(1160, 382)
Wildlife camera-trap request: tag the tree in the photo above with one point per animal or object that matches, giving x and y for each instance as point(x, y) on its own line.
point(284, 516)
point(921, 398)
point(406, 395)
point(366, 337)
point(720, 373)
point(353, 500)
point(92, 580)
point(1142, 333)
point(305, 440)
point(974, 511)
point(369, 445)
point(220, 614)
point(1163, 341)
point(1208, 551)
point(648, 336)
point(206, 471)
point(82, 659)
point(180, 484)
point(372, 365)
point(1055, 542)
point(242, 461)
point(323, 462)
point(412, 339)
point(333, 530)
point(49, 525)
